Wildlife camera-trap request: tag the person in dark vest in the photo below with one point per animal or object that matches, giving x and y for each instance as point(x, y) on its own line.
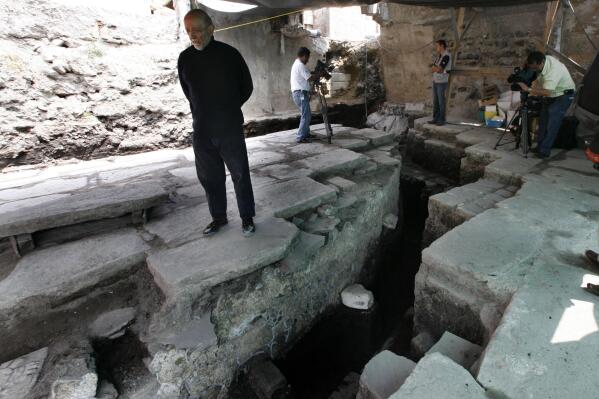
point(217, 82)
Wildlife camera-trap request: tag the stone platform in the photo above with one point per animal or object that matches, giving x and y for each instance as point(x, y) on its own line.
point(91, 226)
point(507, 268)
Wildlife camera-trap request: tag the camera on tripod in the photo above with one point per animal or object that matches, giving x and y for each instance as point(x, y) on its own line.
point(323, 70)
point(521, 75)
point(530, 107)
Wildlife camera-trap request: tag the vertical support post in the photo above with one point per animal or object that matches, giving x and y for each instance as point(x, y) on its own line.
point(550, 17)
point(458, 30)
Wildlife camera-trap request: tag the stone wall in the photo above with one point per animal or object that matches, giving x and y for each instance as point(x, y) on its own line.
point(85, 81)
point(497, 37)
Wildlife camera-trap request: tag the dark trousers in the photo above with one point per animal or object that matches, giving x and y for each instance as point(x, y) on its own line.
point(439, 90)
point(551, 120)
point(211, 155)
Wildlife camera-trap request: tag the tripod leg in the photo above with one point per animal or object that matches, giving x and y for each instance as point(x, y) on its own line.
point(506, 130)
point(524, 134)
point(325, 116)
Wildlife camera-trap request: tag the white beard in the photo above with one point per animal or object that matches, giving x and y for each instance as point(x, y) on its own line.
point(200, 48)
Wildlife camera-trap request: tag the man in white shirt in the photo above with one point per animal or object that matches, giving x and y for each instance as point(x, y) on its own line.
point(300, 92)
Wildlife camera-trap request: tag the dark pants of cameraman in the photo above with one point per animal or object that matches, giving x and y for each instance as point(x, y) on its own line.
point(212, 152)
point(552, 116)
point(439, 101)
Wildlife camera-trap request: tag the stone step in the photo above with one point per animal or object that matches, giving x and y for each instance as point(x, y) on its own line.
point(375, 137)
point(435, 155)
point(44, 280)
point(383, 375)
point(339, 161)
point(436, 376)
point(211, 260)
point(101, 202)
point(457, 349)
point(452, 208)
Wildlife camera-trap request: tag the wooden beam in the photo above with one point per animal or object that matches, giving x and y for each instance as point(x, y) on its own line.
point(458, 30)
point(550, 18)
point(483, 71)
point(573, 64)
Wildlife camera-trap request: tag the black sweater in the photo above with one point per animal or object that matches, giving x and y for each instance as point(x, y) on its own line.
point(216, 81)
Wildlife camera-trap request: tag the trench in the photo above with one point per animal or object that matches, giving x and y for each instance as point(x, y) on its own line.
point(334, 351)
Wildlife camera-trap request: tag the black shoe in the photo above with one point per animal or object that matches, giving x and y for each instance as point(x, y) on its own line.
point(439, 123)
point(304, 140)
point(432, 122)
point(214, 226)
point(247, 227)
point(540, 155)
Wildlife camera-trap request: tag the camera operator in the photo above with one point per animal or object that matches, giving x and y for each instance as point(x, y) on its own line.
point(556, 85)
point(300, 92)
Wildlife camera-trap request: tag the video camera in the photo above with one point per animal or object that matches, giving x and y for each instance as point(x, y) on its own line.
point(521, 75)
point(323, 70)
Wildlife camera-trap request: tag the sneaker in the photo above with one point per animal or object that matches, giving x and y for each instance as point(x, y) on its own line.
point(439, 123)
point(248, 227)
point(304, 140)
point(214, 226)
point(432, 122)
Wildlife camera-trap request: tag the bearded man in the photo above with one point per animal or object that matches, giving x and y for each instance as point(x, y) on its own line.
point(217, 82)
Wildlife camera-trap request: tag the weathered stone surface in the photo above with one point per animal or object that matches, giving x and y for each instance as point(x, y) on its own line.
point(451, 381)
point(343, 184)
point(547, 344)
point(112, 324)
point(57, 273)
point(18, 376)
point(182, 225)
point(383, 375)
point(354, 144)
point(421, 343)
point(197, 334)
point(287, 199)
point(375, 137)
point(336, 161)
point(390, 221)
point(382, 157)
point(457, 349)
point(303, 251)
point(285, 171)
point(227, 255)
point(357, 297)
point(80, 388)
point(99, 203)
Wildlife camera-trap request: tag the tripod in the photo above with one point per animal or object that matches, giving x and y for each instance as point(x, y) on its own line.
point(324, 109)
point(523, 139)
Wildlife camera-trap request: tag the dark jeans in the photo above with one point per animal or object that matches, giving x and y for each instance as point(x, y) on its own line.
point(439, 90)
point(551, 119)
point(211, 155)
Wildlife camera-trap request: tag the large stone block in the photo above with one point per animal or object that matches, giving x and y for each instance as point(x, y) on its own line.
point(375, 137)
point(457, 349)
point(99, 203)
point(55, 274)
point(332, 162)
point(228, 255)
point(383, 375)
point(437, 376)
point(287, 199)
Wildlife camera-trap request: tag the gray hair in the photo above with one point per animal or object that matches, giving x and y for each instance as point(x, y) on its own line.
point(200, 15)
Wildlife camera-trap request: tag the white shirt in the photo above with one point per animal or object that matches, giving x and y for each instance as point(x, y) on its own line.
point(299, 76)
